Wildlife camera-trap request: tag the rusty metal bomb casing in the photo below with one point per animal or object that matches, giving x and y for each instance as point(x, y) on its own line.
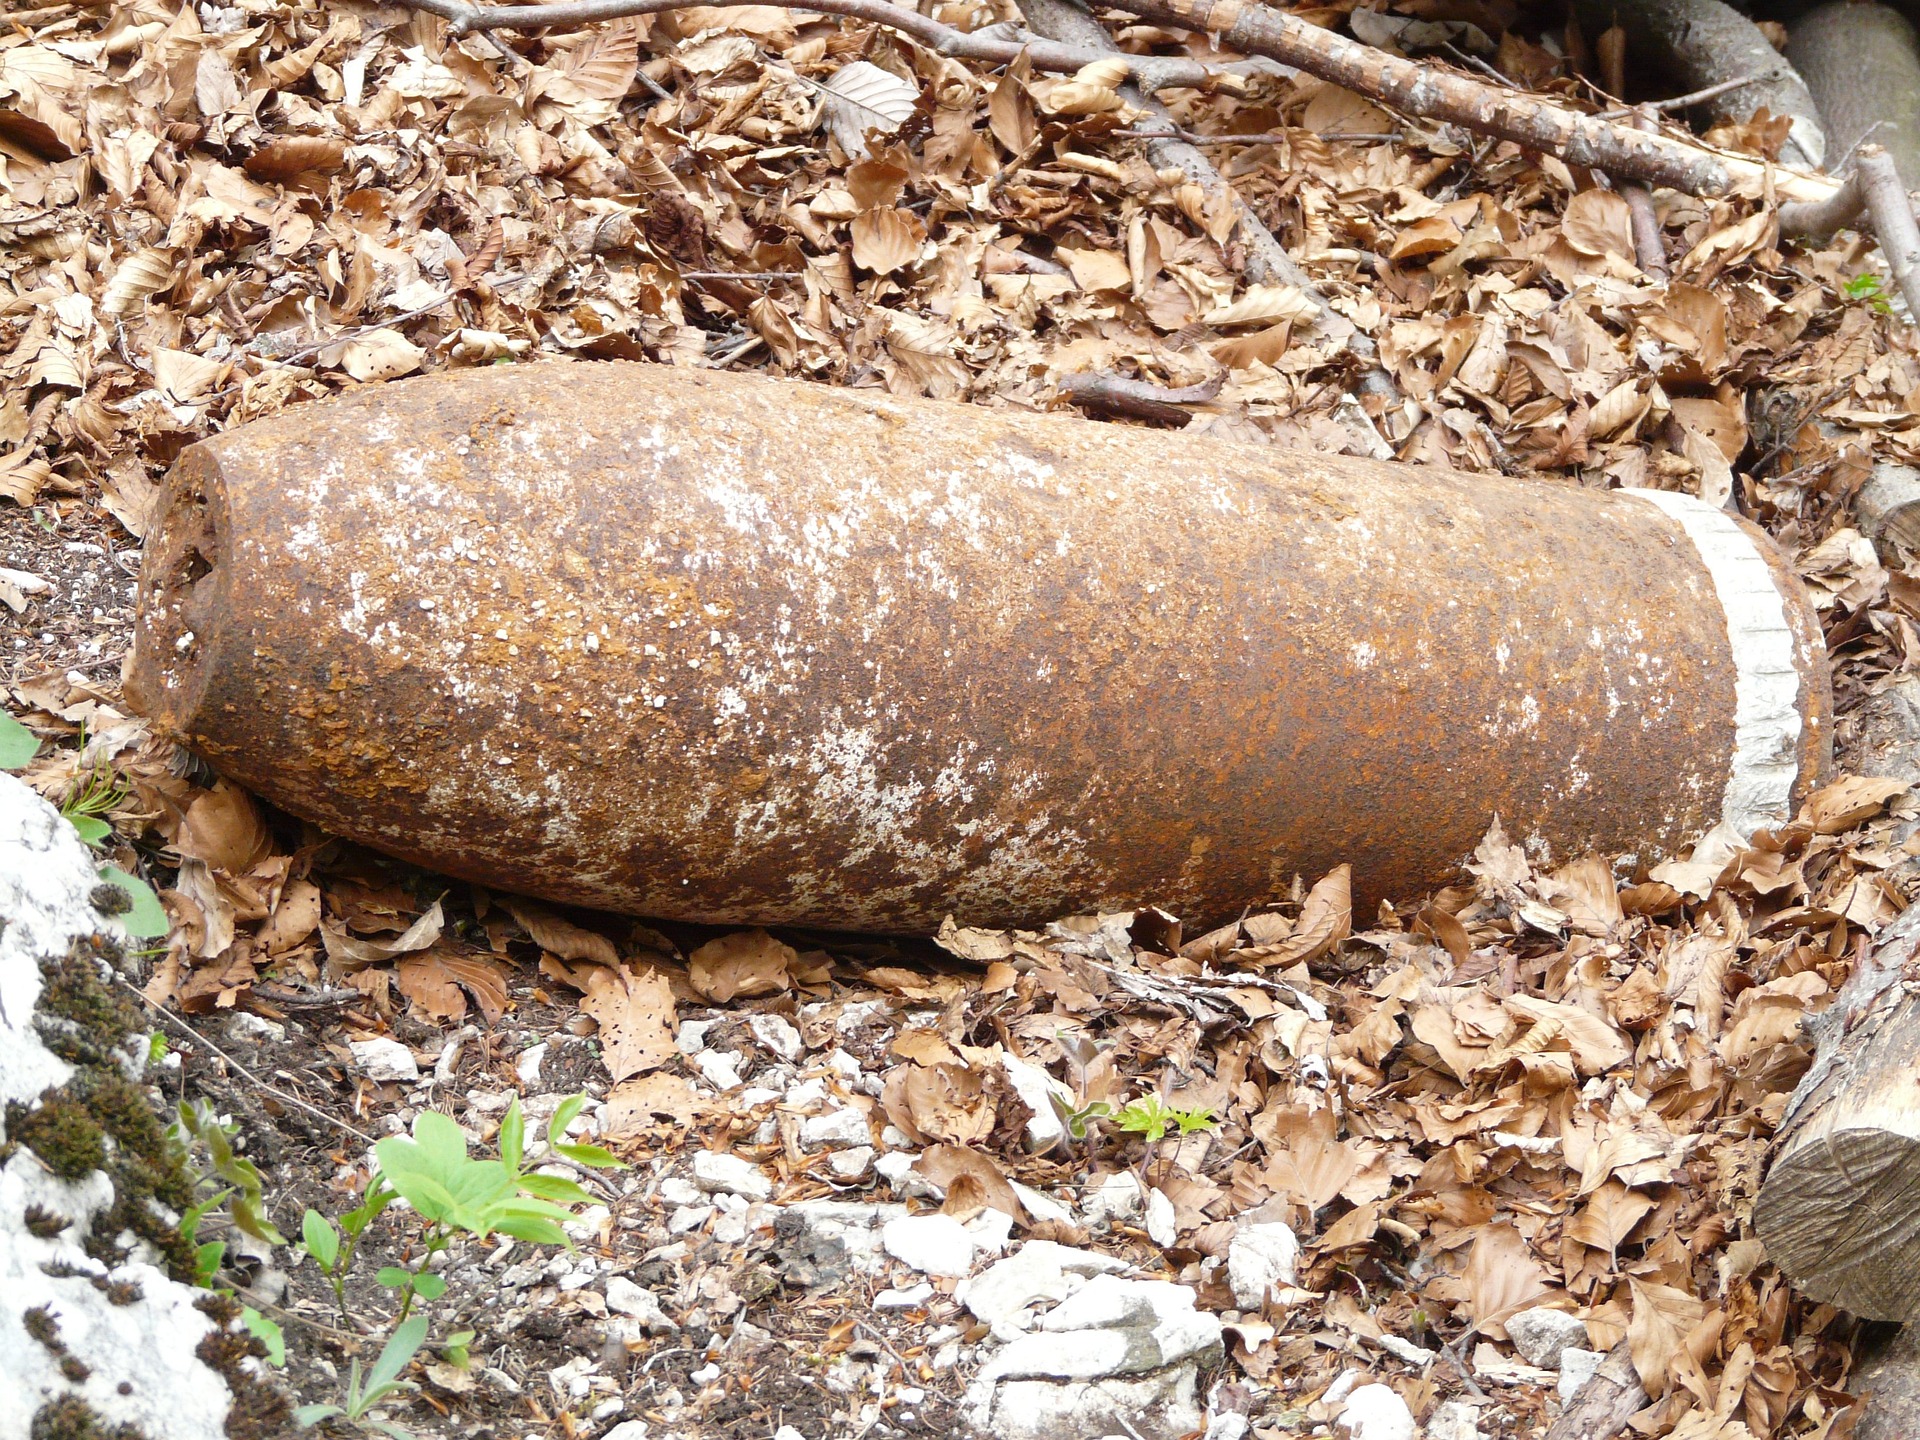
point(723, 648)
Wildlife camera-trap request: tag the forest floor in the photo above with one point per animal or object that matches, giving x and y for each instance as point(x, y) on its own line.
point(1537, 1088)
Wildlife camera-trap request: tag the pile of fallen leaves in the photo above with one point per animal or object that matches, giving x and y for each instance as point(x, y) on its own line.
point(1537, 1084)
point(1540, 1086)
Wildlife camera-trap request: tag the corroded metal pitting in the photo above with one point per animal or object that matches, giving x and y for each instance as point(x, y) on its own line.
point(722, 648)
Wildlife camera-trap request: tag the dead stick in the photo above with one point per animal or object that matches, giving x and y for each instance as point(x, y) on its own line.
point(1428, 91)
point(1817, 219)
point(1649, 246)
point(1151, 71)
point(1893, 222)
point(1603, 1406)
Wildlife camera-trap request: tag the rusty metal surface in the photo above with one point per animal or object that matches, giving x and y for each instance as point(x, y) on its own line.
point(728, 649)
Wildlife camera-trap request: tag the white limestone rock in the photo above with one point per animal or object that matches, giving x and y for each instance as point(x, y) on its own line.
point(1541, 1335)
point(639, 1304)
point(1161, 1404)
point(1376, 1412)
point(930, 1244)
point(385, 1061)
point(1577, 1366)
point(1259, 1257)
point(719, 1174)
point(142, 1371)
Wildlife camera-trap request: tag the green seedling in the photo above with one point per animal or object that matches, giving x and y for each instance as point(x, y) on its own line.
point(1151, 1117)
point(269, 1333)
point(1870, 289)
point(454, 1351)
point(94, 798)
point(381, 1382)
point(198, 1130)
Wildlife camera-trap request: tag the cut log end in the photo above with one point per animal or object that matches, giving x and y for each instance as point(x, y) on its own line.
point(1841, 1216)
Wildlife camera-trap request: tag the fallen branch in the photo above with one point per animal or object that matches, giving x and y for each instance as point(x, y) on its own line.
point(1893, 223)
point(1108, 394)
point(1817, 219)
point(1649, 245)
point(987, 47)
point(1603, 1406)
point(1432, 93)
point(1711, 49)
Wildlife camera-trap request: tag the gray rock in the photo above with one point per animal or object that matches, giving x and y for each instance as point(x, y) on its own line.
point(778, 1036)
point(1161, 1226)
point(1259, 1257)
point(1454, 1420)
point(1542, 1334)
point(1002, 1295)
point(823, 1243)
point(385, 1060)
point(1159, 1406)
point(1116, 1197)
point(1036, 1087)
point(719, 1174)
point(851, 1165)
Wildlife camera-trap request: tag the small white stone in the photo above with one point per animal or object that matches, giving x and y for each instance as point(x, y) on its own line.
point(1116, 1197)
point(1406, 1350)
point(688, 1218)
point(245, 1028)
point(1341, 1387)
point(692, 1035)
point(931, 1244)
point(1041, 1206)
point(1036, 1089)
point(1002, 1295)
point(719, 1174)
point(628, 1430)
point(384, 1059)
point(1259, 1257)
point(719, 1068)
point(705, 1375)
point(837, 1130)
point(894, 1138)
point(637, 1303)
point(754, 1096)
point(1376, 1412)
point(990, 1230)
point(1454, 1420)
point(527, 1067)
point(1542, 1334)
point(1161, 1228)
point(851, 1165)
point(1576, 1368)
point(675, 1190)
point(805, 1094)
point(911, 1299)
point(787, 1432)
point(778, 1036)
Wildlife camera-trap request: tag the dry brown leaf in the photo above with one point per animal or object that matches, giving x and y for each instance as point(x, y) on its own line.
point(1838, 807)
point(286, 156)
point(1326, 919)
point(565, 939)
point(348, 952)
point(741, 965)
point(635, 1105)
point(1598, 222)
point(636, 1016)
point(886, 240)
point(1502, 1278)
point(944, 1165)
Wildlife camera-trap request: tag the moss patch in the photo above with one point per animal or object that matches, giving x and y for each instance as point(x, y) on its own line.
point(71, 1418)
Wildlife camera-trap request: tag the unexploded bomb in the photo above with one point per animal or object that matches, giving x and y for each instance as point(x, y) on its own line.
point(723, 648)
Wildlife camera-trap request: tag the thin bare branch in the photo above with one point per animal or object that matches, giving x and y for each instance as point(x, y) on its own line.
point(1430, 92)
point(1153, 72)
point(1893, 221)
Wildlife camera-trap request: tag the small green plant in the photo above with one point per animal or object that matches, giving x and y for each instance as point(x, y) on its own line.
point(145, 917)
point(381, 1381)
point(455, 1194)
point(197, 1129)
point(1869, 288)
point(269, 1333)
point(454, 1350)
point(17, 743)
point(1151, 1117)
point(93, 798)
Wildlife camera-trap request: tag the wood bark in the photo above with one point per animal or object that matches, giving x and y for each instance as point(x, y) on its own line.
point(1888, 512)
point(1887, 1378)
point(1700, 44)
point(1862, 63)
point(1839, 1212)
point(1604, 1405)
